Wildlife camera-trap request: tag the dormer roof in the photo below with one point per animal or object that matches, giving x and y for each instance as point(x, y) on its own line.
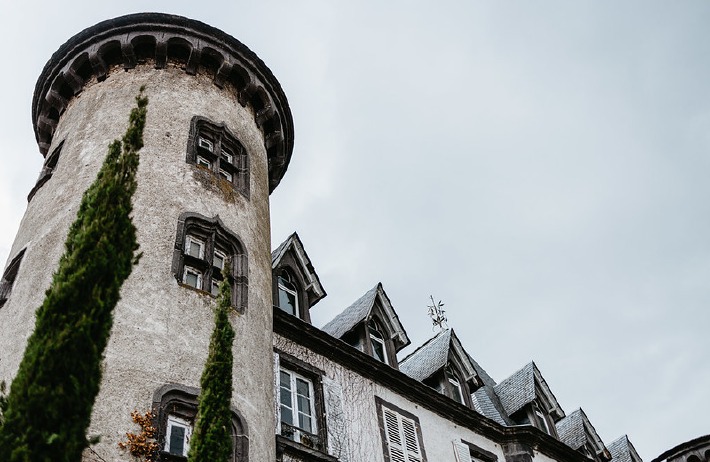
point(293, 244)
point(622, 450)
point(435, 354)
point(524, 387)
point(362, 310)
point(576, 431)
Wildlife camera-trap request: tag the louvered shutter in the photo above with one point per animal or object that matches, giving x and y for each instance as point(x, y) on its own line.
point(394, 437)
point(463, 454)
point(411, 441)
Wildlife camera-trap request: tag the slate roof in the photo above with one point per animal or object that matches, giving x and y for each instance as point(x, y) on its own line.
point(519, 390)
point(428, 358)
point(315, 288)
point(622, 450)
point(360, 311)
point(434, 354)
point(571, 431)
point(484, 404)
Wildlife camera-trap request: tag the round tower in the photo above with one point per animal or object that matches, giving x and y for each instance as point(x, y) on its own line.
point(218, 140)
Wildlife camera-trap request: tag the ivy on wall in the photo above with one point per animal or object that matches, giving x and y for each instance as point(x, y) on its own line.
point(212, 436)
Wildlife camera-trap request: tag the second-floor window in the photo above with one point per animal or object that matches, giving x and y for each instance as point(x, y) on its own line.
point(297, 402)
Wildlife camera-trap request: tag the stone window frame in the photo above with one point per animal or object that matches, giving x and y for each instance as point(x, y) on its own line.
point(9, 276)
point(318, 441)
point(48, 168)
point(402, 416)
point(181, 401)
point(216, 237)
point(220, 137)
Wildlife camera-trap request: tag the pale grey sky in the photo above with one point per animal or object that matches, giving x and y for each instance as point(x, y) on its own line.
point(540, 167)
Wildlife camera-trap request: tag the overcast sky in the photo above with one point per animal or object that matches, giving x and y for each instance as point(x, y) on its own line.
point(540, 167)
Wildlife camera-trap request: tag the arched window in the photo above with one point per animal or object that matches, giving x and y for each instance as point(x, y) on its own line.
point(175, 409)
point(203, 247)
point(288, 294)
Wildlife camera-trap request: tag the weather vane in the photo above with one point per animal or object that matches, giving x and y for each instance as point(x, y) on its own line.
point(436, 313)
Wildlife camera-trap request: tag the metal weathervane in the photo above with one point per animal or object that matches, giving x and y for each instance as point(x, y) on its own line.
point(436, 313)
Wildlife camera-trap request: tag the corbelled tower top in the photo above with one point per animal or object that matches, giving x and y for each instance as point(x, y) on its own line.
point(162, 40)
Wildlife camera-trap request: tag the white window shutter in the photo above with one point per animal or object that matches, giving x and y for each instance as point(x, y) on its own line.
point(463, 454)
point(277, 399)
point(338, 444)
point(393, 435)
point(411, 440)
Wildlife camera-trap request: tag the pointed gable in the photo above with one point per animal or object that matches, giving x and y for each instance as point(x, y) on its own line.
point(577, 432)
point(362, 310)
point(622, 450)
point(435, 354)
point(292, 254)
point(524, 387)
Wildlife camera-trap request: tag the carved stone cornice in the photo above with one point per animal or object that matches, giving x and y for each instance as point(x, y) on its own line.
point(157, 39)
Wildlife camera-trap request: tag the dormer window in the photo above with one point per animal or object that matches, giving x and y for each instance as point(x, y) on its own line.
point(541, 421)
point(288, 294)
point(455, 389)
point(377, 341)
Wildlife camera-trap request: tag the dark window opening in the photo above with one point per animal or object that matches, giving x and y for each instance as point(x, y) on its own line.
point(8, 277)
point(50, 164)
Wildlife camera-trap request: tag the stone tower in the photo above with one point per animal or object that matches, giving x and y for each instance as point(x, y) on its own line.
point(218, 139)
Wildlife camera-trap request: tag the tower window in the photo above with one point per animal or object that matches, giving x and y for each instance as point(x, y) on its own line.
point(50, 164)
point(203, 248)
point(215, 148)
point(8, 277)
point(177, 436)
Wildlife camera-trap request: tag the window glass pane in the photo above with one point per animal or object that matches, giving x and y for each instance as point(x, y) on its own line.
point(286, 415)
point(227, 155)
point(193, 247)
point(225, 174)
point(378, 349)
point(218, 260)
point(177, 440)
point(304, 423)
point(215, 288)
point(285, 380)
point(204, 143)
point(192, 278)
point(304, 404)
point(287, 301)
point(204, 162)
point(302, 388)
